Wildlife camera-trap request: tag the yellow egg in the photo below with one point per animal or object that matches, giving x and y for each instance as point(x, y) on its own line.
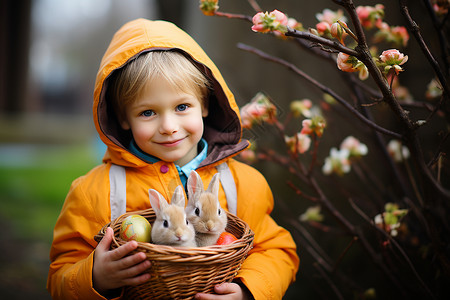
point(136, 227)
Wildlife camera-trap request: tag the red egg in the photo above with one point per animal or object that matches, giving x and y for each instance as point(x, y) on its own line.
point(226, 238)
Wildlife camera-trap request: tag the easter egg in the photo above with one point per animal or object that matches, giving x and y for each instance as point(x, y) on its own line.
point(137, 228)
point(225, 238)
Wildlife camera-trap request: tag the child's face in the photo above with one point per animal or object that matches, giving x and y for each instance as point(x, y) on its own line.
point(165, 123)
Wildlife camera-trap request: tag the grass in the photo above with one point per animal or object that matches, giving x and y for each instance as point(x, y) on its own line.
point(32, 191)
point(34, 181)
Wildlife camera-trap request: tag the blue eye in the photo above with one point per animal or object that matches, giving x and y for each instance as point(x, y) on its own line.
point(182, 107)
point(148, 113)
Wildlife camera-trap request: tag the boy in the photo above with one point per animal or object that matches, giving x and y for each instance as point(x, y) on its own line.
point(163, 109)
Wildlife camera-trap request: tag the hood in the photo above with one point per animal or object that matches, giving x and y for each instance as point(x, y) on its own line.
point(223, 130)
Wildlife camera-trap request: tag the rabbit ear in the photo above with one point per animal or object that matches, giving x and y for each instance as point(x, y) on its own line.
point(178, 197)
point(157, 201)
point(213, 186)
point(194, 186)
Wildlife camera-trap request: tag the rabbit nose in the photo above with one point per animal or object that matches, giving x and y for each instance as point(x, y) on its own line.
point(179, 233)
point(210, 225)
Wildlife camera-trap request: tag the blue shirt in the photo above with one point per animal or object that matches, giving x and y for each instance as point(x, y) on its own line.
point(183, 171)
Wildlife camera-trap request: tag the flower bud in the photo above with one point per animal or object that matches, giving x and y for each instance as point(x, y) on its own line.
point(315, 125)
point(209, 7)
point(273, 21)
point(338, 32)
point(354, 146)
point(301, 107)
point(312, 214)
point(299, 143)
point(259, 110)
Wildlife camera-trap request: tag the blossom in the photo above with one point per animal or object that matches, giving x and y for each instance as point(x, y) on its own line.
point(294, 24)
point(370, 16)
point(338, 32)
point(315, 125)
point(299, 143)
point(330, 16)
point(259, 110)
point(434, 90)
point(273, 21)
point(399, 35)
point(397, 151)
point(323, 28)
point(348, 63)
point(312, 213)
point(354, 146)
point(209, 7)
point(337, 162)
point(392, 60)
point(441, 7)
point(301, 107)
point(390, 219)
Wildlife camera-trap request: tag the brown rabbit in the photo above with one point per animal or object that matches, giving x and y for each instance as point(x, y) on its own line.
point(171, 226)
point(204, 211)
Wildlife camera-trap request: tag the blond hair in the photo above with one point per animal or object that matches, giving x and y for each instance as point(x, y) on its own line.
point(176, 69)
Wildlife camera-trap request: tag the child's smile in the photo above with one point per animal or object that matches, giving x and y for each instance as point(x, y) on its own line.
point(166, 123)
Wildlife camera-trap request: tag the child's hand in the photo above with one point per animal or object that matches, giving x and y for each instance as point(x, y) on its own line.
point(114, 269)
point(226, 291)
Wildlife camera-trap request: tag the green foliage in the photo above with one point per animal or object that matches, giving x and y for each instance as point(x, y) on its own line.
point(32, 194)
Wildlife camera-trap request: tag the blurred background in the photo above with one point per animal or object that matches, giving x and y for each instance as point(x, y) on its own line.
point(50, 51)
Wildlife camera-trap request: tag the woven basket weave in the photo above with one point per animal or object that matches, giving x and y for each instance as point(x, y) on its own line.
point(182, 272)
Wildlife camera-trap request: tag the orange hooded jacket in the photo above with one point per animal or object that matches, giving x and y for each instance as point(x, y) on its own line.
point(272, 263)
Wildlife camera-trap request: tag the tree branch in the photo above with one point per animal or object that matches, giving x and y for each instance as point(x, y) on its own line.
point(321, 40)
point(434, 64)
point(322, 87)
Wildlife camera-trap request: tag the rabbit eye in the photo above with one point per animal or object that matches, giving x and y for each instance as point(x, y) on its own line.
point(165, 223)
point(187, 222)
point(197, 211)
point(219, 212)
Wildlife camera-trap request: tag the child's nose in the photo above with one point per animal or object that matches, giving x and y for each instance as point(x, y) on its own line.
point(168, 124)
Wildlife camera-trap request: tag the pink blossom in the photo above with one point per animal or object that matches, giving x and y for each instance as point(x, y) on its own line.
point(400, 35)
point(395, 34)
point(294, 24)
point(273, 21)
point(323, 28)
point(354, 146)
point(258, 23)
point(259, 110)
point(441, 8)
point(370, 16)
point(393, 59)
point(347, 63)
point(315, 125)
point(299, 143)
point(301, 107)
point(330, 16)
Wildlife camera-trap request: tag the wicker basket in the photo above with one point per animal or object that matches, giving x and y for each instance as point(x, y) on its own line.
point(180, 272)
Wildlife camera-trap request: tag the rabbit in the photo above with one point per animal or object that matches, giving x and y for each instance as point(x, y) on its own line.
point(204, 211)
point(171, 226)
